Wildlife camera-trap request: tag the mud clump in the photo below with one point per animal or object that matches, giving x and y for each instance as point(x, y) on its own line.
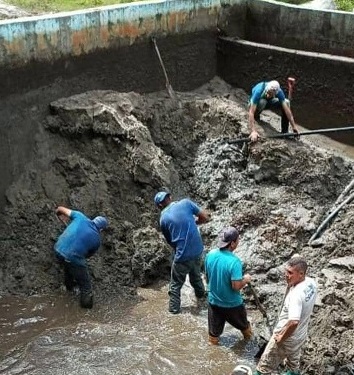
point(105, 152)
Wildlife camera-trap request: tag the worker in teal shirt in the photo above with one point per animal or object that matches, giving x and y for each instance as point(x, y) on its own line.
point(223, 269)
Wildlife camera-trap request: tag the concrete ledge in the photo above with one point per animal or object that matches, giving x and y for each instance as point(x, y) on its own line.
point(52, 37)
point(290, 26)
point(308, 54)
point(324, 82)
point(72, 34)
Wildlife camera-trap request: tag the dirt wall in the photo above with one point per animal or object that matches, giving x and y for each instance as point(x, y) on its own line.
point(106, 152)
point(25, 93)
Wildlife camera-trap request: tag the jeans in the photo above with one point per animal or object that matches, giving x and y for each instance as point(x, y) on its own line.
point(77, 275)
point(179, 272)
point(274, 354)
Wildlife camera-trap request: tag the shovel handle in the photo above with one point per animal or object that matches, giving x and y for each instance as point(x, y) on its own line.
point(291, 84)
point(258, 302)
point(161, 61)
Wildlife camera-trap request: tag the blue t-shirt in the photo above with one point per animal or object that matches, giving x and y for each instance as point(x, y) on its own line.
point(222, 267)
point(80, 239)
point(258, 93)
point(178, 225)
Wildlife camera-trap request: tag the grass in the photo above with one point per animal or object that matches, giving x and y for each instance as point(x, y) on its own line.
point(296, 2)
point(42, 6)
point(346, 5)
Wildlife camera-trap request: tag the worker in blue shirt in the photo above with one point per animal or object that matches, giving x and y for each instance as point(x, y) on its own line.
point(79, 241)
point(269, 95)
point(178, 222)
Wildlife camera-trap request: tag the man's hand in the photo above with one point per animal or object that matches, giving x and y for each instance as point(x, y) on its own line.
point(296, 131)
point(64, 219)
point(286, 331)
point(247, 278)
point(254, 136)
point(63, 214)
point(295, 128)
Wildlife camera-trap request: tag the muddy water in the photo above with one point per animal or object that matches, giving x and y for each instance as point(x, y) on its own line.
point(52, 335)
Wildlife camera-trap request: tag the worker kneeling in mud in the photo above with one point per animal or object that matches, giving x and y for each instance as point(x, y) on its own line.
point(269, 95)
point(80, 240)
point(223, 269)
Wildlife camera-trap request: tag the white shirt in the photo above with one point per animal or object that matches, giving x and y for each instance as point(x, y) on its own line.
point(298, 305)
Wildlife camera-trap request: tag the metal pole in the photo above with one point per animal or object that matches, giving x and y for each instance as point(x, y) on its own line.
point(296, 135)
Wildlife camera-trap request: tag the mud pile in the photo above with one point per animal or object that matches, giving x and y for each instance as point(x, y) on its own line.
point(108, 153)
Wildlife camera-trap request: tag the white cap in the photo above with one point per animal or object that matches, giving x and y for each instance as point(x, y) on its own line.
point(272, 86)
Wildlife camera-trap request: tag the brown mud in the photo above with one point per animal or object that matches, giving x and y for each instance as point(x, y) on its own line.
point(105, 152)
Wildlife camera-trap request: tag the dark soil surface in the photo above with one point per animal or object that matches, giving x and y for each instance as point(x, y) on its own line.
point(105, 152)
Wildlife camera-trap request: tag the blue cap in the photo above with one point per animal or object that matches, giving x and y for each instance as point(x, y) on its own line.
point(160, 197)
point(100, 222)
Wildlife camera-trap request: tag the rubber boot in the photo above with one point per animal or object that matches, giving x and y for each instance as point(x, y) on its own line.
point(213, 340)
point(86, 300)
point(284, 123)
point(247, 333)
point(174, 306)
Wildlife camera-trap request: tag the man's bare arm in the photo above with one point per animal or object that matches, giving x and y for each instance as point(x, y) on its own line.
point(61, 210)
point(287, 331)
point(251, 123)
point(239, 284)
point(251, 120)
point(203, 217)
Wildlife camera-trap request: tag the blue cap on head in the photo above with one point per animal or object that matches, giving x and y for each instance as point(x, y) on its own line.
point(100, 222)
point(160, 197)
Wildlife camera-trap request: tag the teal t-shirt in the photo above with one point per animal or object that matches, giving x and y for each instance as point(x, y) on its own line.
point(222, 267)
point(258, 93)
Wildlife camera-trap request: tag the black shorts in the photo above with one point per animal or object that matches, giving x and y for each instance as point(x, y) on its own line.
point(217, 316)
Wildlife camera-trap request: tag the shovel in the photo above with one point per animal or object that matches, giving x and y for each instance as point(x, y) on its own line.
point(169, 88)
point(260, 306)
point(265, 315)
point(262, 348)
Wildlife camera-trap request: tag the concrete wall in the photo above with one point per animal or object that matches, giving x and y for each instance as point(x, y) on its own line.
point(53, 37)
point(284, 25)
point(62, 35)
point(324, 88)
